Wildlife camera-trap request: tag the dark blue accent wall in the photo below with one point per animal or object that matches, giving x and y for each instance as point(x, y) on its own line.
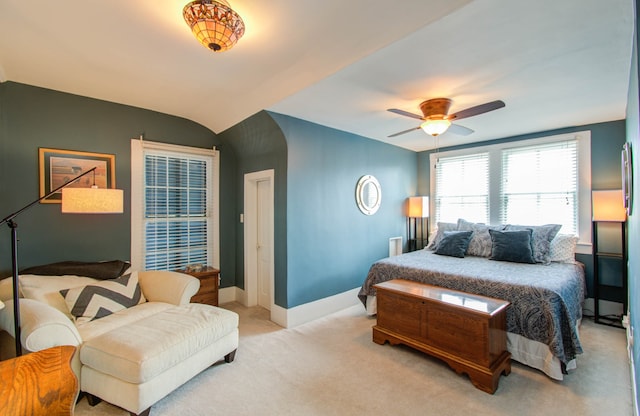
point(32, 117)
point(330, 243)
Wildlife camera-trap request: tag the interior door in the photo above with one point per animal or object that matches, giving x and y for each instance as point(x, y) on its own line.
point(264, 243)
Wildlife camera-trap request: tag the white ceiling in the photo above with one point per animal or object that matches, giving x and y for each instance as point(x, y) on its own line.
point(555, 63)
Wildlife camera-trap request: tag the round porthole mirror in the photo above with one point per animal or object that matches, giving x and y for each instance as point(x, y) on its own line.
point(368, 194)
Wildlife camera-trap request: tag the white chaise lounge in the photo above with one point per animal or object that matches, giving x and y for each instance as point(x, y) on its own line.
point(137, 355)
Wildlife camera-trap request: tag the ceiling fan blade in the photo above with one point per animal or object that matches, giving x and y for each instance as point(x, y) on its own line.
point(405, 113)
point(479, 109)
point(459, 130)
point(403, 132)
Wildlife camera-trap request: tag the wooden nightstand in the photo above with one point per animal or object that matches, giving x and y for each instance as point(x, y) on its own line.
point(209, 283)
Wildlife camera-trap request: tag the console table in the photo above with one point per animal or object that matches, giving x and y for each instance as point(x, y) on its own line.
point(466, 331)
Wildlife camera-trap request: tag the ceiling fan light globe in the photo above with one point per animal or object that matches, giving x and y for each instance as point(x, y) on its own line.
point(435, 127)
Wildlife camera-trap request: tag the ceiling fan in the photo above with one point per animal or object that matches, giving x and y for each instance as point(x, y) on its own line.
point(436, 119)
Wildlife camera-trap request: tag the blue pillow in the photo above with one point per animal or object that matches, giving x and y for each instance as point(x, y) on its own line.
point(514, 246)
point(540, 239)
point(454, 243)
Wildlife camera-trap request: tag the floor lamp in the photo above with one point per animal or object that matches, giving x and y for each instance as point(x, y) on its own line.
point(92, 200)
point(417, 211)
point(608, 207)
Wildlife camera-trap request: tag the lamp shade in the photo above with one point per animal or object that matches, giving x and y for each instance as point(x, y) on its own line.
point(92, 201)
point(418, 207)
point(608, 206)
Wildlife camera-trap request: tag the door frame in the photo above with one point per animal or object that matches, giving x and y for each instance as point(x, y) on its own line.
point(251, 236)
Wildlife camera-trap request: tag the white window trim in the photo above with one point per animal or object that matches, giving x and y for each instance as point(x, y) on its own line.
point(584, 177)
point(137, 195)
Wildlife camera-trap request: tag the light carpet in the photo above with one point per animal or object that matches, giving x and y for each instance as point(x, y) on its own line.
point(331, 367)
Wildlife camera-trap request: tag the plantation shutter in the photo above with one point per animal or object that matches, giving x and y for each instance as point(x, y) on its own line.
point(540, 185)
point(462, 188)
point(177, 210)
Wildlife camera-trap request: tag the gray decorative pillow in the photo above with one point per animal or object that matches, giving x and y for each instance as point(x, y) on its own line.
point(514, 246)
point(541, 239)
point(454, 243)
point(480, 244)
point(90, 302)
point(442, 228)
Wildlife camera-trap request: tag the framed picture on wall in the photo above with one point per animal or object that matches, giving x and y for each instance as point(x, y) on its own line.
point(60, 166)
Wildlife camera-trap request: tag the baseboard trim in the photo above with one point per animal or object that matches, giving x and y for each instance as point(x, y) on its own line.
point(632, 368)
point(298, 315)
point(304, 313)
point(634, 388)
point(229, 294)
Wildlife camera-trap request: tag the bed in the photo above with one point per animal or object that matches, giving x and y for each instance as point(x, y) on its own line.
point(546, 299)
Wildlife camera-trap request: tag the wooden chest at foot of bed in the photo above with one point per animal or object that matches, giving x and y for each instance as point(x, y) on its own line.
point(467, 331)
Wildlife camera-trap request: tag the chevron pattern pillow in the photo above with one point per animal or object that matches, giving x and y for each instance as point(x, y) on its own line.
point(90, 302)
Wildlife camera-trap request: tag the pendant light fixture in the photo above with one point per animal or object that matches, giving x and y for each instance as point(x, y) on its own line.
point(214, 23)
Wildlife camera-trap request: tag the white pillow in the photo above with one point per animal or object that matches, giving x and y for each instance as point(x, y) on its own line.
point(47, 289)
point(563, 248)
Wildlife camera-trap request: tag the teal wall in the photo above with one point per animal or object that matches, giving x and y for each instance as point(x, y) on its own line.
point(633, 223)
point(330, 243)
point(323, 244)
point(259, 145)
point(32, 117)
point(606, 142)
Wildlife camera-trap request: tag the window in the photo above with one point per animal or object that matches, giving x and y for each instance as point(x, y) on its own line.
point(174, 206)
point(539, 185)
point(462, 184)
point(537, 181)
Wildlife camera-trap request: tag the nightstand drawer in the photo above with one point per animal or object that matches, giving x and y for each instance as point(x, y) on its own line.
point(208, 298)
point(208, 285)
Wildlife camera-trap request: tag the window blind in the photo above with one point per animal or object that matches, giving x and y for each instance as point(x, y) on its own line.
point(177, 210)
point(462, 188)
point(540, 185)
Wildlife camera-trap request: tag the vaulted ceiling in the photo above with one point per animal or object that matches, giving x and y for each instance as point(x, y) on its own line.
point(555, 63)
